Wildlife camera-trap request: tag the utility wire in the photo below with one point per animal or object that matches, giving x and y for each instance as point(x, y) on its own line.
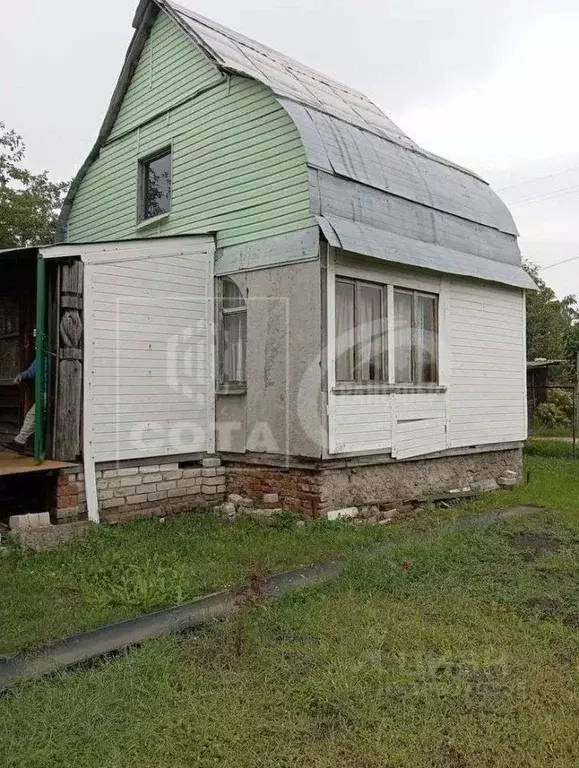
point(538, 178)
point(559, 263)
point(542, 198)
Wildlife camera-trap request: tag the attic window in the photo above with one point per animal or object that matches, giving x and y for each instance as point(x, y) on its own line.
point(155, 197)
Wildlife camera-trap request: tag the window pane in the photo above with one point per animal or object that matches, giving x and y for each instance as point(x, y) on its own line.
point(426, 363)
point(157, 186)
point(369, 324)
point(344, 331)
point(234, 329)
point(232, 296)
point(403, 337)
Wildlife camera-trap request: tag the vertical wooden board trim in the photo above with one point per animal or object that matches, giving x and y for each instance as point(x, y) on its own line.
point(211, 355)
point(331, 347)
point(390, 337)
point(88, 402)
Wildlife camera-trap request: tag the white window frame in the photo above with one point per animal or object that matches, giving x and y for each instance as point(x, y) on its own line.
point(142, 165)
point(226, 386)
point(391, 277)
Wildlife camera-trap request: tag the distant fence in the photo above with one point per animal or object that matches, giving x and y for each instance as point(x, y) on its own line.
point(553, 411)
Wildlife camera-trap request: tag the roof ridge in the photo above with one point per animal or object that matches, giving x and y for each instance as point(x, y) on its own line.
point(258, 47)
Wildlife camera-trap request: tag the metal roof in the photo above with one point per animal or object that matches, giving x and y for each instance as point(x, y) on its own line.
point(369, 182)
point(376, 166)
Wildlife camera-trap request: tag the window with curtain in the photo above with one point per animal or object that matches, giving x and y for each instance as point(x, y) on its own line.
point(362, 329)
point(361, 343)
point(233, 333)
point(415, 337)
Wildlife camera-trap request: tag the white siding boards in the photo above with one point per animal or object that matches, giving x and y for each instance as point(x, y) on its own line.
point(480, 395)
point(149, 375)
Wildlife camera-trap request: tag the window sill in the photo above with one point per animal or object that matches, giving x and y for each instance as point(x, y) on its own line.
point(232, 389)
point(388, 389)
point(154, 220)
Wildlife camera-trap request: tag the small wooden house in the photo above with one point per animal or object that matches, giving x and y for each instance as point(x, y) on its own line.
point(282, 295)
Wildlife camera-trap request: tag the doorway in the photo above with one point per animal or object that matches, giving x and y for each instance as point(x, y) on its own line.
point(17, 320)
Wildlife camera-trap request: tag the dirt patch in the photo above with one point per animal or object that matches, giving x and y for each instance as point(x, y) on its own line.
point(552, 609)
point(572, 620)
point(547, 608)
point(535, 544)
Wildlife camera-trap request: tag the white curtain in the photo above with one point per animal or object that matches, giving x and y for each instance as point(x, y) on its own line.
point(403, 336)
point(234, 334)
point(344, 331)
point(425, 321)
point(370, 333)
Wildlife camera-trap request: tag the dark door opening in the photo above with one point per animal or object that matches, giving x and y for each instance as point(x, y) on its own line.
point(17, 320)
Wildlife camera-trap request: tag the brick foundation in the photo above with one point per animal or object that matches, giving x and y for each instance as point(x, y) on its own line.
point(319, 490)
point(296, 488)
point(68, 504)
point(131, 491)
point(158, 490)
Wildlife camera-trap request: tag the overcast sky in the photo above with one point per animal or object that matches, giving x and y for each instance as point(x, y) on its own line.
point(490, 84)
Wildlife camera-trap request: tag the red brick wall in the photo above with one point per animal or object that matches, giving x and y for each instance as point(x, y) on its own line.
point(296, 488)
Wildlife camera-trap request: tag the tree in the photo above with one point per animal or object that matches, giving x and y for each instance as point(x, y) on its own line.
point(29, 203)
point(552, 323)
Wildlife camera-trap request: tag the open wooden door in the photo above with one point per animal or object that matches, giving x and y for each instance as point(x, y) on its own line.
point(66, 338)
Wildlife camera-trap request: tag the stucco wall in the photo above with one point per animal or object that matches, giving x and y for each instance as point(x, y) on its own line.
point(281, 412)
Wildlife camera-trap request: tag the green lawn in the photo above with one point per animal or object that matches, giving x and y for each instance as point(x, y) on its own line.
point(451, 649)
point(123, 571)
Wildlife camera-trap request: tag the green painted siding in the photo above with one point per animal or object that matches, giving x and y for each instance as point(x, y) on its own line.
point(239, 166)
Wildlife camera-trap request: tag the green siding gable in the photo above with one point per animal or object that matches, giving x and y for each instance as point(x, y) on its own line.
point(171, 69)
point(239, 166)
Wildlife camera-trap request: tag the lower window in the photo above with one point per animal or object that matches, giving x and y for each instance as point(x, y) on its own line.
point(364, 325)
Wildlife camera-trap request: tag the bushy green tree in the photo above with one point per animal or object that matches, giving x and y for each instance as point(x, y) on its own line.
point(552, 329)
point(29, 203)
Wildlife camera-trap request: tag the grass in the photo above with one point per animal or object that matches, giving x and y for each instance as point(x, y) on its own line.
point(550, 448)
point(120, 572)
point(540, 430)
point(450, 649)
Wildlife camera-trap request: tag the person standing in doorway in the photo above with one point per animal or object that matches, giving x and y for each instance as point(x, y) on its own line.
point(19, 444)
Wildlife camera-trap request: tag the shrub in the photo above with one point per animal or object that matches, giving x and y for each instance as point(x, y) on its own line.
point(557, 410)
point(563, 400)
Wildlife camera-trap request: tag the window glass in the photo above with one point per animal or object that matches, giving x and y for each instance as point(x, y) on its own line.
point(157, 186)
point(233, 330)
point(403, 336)
point(425, 336)
point(369, 327)
point(344, 330)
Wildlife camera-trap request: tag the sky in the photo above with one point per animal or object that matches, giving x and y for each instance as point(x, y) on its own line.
point(490, 84)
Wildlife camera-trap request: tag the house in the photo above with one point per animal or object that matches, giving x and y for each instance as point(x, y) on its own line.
point(281, 295)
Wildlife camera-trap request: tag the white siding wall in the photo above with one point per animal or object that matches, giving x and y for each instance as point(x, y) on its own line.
point(481, 360)
point(149, 366)
point(485, 332)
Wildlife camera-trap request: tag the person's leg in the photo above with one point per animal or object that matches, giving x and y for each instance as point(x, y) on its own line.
point(27, 427)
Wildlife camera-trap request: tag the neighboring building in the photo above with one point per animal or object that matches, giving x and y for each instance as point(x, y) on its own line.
point(367, 339)
point(538, 381)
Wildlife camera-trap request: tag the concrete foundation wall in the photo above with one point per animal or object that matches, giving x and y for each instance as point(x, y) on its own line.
point(317, 491)
point(281, 412)
point(409, 480)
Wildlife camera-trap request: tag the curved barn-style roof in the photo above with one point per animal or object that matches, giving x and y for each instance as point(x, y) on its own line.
point(373, 190)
